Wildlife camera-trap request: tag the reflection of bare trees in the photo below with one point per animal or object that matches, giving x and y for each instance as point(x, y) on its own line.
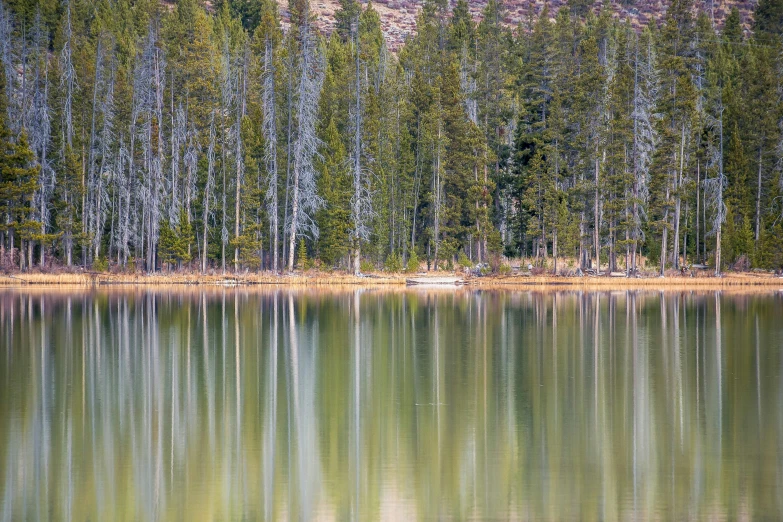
point(300, 405)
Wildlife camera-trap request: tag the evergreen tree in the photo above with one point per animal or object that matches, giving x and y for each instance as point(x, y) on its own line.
point(174, 243)
point(768, 20)
point(334, 183)
point(578, 137)
point(18, 181)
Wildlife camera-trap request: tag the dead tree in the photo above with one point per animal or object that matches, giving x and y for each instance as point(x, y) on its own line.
point(269, 102)
point(304, 197)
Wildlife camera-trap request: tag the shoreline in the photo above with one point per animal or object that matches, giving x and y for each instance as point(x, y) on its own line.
point(336, 279)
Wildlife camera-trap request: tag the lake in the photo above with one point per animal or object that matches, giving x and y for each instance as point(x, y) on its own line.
point(197, 403)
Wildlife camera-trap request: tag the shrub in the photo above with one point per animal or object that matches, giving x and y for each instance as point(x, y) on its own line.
point(495, 261)
point(504, 270)
point(464, 261)
point(302, 262)
point(366, 266)
point(393, 263)
point(101, 264)
point(413, 263)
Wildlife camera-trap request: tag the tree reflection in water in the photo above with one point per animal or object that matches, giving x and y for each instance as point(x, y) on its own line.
point(211, 404)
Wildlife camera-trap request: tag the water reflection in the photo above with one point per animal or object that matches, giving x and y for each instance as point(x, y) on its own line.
point(208, 404)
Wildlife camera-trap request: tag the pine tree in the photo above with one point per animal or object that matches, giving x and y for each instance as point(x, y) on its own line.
point(18, 181)
point(68, 197)
point(334, 185)
point(174, 243)
point(768, 20)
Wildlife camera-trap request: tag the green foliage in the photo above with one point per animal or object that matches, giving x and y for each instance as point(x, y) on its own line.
point(413, 263)
point(18, 178)
point(737, 238)
point(768, 19)
point(770, 252)
point(69, 195)
point(174, 243)
point(393, 263)
point(335, 187)
point(366, 266)
point(100, 264)
point(302, 263)
point(346, 17)
point(464, 261)
point(573, 133)
point(495, 242)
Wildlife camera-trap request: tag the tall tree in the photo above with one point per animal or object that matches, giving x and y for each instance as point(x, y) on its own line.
point(304, 197)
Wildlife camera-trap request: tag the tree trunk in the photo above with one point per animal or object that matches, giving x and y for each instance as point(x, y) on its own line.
point(437, 182)
point(357, 161)
point(698, 206)
point(717, 249)
point(685, 238)
point(758, 202)
point(294, 217)
point(582, 254)
point(596, 230)
point(238, 159)
point(678, 202)
point(664, 241)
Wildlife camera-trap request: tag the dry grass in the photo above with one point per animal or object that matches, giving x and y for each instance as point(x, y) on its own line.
point(183, 278)
point(326, 279)
point(622, 283)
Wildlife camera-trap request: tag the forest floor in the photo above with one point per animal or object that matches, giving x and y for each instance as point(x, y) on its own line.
point(316, 278)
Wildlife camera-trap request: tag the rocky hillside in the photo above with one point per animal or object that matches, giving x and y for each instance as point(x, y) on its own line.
point(398, 17)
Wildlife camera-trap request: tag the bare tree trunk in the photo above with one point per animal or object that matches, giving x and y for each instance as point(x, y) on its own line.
point(717, 250)
point(240, 166)
point(437, 190)
point(704, 240)
point(758, 202)
point(664, 240)
point(582, 253)
point(270, 141)
point(357, 203)
point(89, 193)
point(719, 229)
point(208, 188)
point(289, 141)
point(484, 213)
point(678, 202)
point(596, 230)
point(685, 237)
point(416, 184)
point(698, 204)
point(294, 217)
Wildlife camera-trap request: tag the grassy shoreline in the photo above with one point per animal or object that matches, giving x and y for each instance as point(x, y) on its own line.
point(314, 278)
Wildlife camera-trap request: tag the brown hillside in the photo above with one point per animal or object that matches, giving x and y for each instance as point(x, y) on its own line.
point(398, 17)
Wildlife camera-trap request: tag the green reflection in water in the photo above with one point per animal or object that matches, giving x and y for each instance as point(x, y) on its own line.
point(363, 405)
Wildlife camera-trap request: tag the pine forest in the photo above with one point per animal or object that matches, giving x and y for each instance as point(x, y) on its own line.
point(137, 135)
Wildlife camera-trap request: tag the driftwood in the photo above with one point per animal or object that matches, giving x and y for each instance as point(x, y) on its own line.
point(14, 277)
point(433, 281)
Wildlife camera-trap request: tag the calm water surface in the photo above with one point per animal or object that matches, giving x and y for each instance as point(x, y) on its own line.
point(208, 404)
